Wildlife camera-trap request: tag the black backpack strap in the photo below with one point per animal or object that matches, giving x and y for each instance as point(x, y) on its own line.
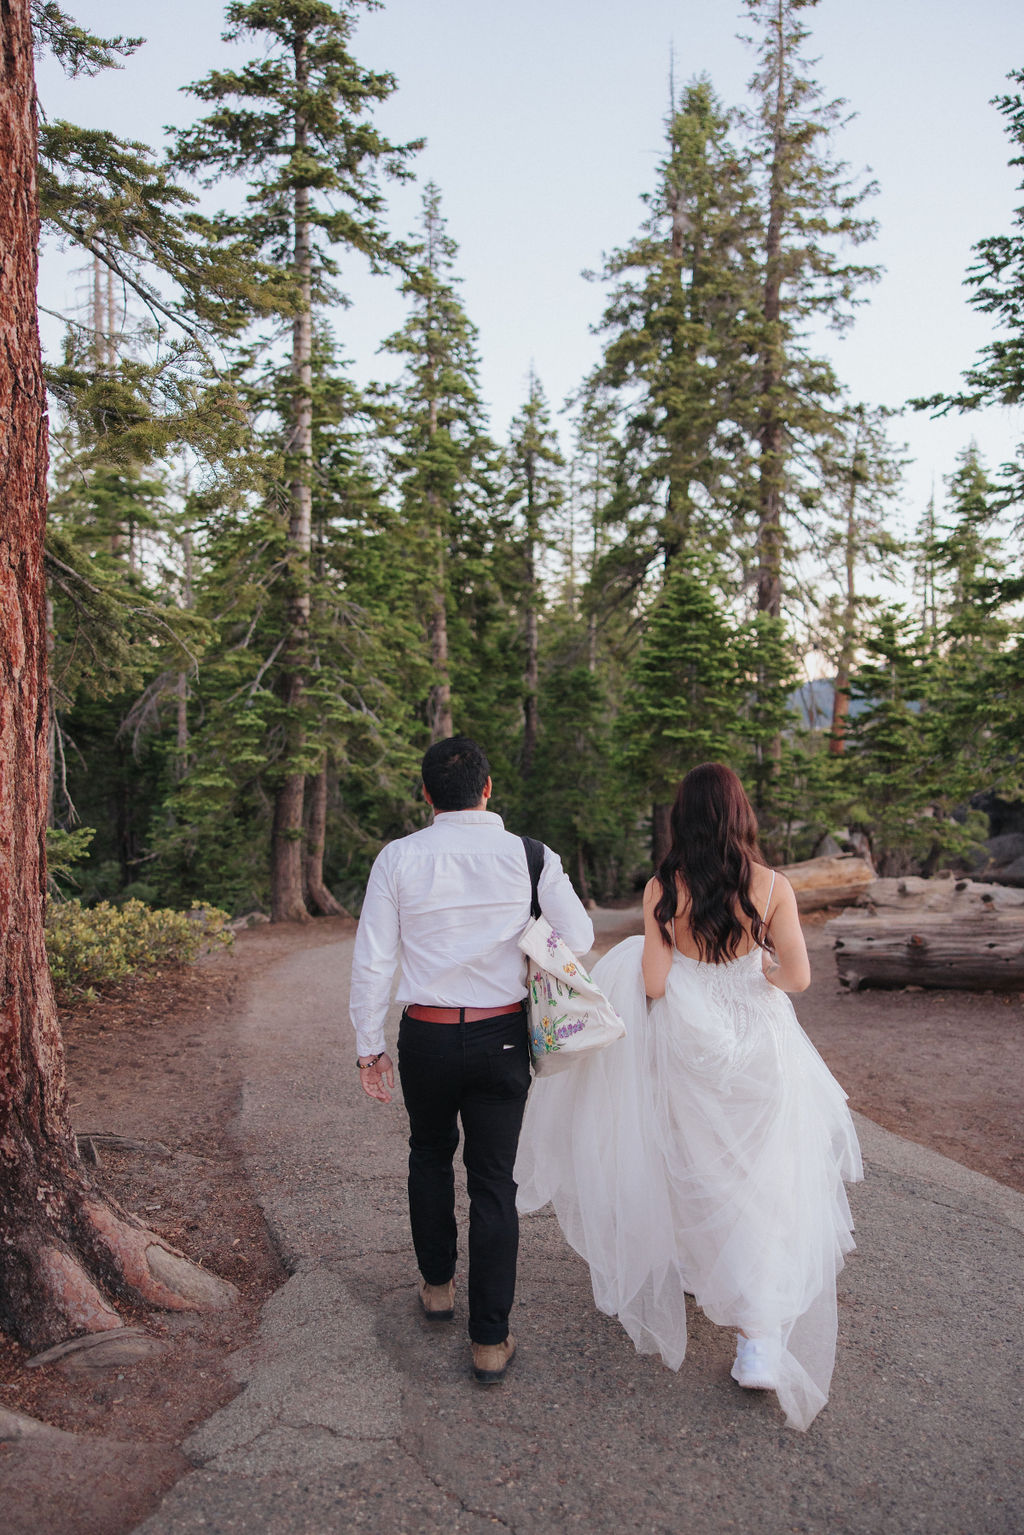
point(535, 863)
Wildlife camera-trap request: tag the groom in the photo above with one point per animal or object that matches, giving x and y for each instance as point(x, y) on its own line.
point(446, 906)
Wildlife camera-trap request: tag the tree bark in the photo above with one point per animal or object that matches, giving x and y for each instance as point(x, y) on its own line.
point(531, 676)
point(841, 695)
point(771, 430)
point(59, 1241)
point(531, 673)
point(439, 701)
point(286, 861)
point(581, 874)
point(661, 831)
point(440, 722)
point(317, 893)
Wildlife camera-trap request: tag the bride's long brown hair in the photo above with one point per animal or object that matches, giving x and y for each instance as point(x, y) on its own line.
point(714, 849)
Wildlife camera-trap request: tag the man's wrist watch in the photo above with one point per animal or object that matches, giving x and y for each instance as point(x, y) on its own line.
point(366, 1065)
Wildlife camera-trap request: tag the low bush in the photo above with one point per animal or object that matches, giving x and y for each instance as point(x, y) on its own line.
point(91, 946)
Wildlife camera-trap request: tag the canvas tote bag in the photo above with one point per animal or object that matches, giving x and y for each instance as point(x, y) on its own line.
point(568, 1014)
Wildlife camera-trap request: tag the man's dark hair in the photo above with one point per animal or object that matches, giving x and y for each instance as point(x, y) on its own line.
point(454, 773)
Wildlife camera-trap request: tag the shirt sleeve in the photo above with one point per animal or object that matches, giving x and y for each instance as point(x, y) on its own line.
point(374, 960)
point(562, 906)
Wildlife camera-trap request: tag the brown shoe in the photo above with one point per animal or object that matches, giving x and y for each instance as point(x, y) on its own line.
point(438, 1301)
point(491, 1360)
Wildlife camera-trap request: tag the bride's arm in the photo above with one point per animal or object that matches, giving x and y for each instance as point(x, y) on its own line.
point(657, 956)
point(792, 969)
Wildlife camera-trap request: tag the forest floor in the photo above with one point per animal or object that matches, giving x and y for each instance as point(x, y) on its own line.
point(156, 1062)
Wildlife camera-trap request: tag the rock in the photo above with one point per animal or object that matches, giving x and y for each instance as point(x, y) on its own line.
point(828, 847)
point(250, 919)
point(1003, 815)
point(1007, 849)
point(1008, 874)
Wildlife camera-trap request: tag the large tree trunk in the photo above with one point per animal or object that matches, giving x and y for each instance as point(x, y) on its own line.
point(317, 893)
point(439, 701)
point(661, 831)
point(771, 427)
point(59, 1241)
point(771, 433)
point(841, 696)
point(286, 861)
point(531, 678)
point(531, 673)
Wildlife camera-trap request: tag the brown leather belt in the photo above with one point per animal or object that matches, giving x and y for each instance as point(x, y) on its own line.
point(462, 1014)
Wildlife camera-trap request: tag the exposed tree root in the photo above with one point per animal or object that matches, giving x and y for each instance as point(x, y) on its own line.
point(57, 1275)
point(151, 1269)
point(323, 901)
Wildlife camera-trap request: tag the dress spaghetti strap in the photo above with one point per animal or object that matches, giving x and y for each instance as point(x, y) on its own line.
point(767, 903)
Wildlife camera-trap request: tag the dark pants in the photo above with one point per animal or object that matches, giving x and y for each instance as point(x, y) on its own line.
point(480, 1072)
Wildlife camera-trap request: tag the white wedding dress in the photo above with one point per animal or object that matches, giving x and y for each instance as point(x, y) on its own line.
point(705, 1152)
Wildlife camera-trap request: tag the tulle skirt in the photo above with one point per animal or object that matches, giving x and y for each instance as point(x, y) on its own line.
point(705, 1152)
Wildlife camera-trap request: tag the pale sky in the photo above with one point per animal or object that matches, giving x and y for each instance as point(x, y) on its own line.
point(544, 123)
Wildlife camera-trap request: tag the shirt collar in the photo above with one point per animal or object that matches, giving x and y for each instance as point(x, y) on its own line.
point(469, 818)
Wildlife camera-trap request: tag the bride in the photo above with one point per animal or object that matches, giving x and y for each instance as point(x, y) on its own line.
point(706, 1152)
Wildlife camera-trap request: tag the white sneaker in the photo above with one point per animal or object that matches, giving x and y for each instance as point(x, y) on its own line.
point(756, 1365)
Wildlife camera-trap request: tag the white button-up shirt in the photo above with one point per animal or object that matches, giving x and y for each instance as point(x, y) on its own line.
point(449, 903)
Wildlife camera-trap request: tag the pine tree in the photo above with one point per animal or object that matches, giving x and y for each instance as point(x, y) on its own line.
point(967, 556)
point(534, 495)
point(676, 357)
point(809, 208)
point(862, 474)
point(434, 417)
point(592, 484)
point(578, 800)
point(295, 122)
point(970, 642)
point(996, 280)
point(684, 693)
point(366, 666)
point(892, 779)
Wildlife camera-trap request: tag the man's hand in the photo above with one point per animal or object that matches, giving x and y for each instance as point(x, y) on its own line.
point(378, 1079)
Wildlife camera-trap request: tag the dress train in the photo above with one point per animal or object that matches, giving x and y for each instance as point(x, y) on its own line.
point(705, 1152)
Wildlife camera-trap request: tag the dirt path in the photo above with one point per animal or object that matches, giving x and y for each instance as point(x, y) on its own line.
point(158, 1063)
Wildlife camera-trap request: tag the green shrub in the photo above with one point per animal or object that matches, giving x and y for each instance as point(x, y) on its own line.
point(90, 946)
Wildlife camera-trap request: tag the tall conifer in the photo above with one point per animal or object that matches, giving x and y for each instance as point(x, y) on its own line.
point(675, 356)
point(535, 493)
point(809, 212)
point(434, 418)
point(295, 122)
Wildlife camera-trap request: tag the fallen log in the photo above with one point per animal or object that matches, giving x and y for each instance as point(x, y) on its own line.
point(941, 893)
point(973, 951)
point(820, 882)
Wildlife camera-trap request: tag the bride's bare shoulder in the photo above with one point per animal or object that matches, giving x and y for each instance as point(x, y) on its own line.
point(766, 882)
